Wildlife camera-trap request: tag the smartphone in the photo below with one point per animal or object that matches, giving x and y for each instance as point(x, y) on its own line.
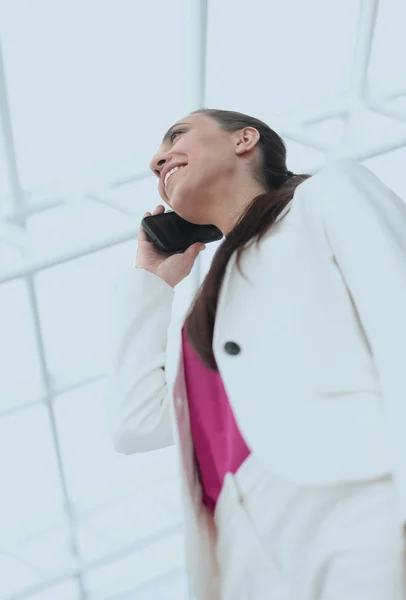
point(171, 233)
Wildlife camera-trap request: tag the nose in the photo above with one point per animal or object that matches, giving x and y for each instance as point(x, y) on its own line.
point(157, 164)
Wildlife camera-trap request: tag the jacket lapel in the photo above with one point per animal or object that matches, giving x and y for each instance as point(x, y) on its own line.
point(231, 270)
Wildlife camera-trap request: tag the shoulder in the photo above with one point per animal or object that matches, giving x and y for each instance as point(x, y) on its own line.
point(346, 183)
point(343, 171)
point(334, 184)
point(333, 176)
point(345, 188)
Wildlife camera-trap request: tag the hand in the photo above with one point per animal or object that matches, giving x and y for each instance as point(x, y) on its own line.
point(171, 268)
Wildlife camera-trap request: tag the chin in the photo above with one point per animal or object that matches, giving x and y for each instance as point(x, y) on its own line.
point(184, 209)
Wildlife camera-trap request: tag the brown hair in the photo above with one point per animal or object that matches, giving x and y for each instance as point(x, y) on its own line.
point(255, 221)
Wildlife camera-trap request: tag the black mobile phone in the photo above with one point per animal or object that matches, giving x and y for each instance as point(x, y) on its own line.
point(171, 233)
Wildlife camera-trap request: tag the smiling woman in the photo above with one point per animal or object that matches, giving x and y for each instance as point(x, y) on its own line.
point(275, 385)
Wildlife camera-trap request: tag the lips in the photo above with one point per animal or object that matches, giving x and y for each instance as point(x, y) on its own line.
point(170, 178)
point(170, 173)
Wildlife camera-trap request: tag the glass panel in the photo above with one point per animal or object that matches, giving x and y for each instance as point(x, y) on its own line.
point(31, 495)
point(96, 474)
point(68, 590)
point(16, 576)
point(297, 53)
point(390, 168)
point(75, 301)
point(328, 132)
point(36, 558)
point(160, 560)
point(173, 587)
point(5, 200)
point(372, 131)
point(20, 380)
point(399, 104)
point(387, 65)
point(302, 158)
point(10, 257)
point(139, 518)
point(137, 196)
point(50, 549)
point(90, 103)
point(74, 225)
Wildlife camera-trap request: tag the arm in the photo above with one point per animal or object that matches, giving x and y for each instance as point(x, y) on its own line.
point(365, 224)
point(137, 396)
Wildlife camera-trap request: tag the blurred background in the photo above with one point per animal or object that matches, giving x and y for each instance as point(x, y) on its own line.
point(87, 89)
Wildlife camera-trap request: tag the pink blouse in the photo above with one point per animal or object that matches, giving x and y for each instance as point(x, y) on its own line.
point(219, 446)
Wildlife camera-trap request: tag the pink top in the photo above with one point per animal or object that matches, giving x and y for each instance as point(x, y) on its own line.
point(219, 446)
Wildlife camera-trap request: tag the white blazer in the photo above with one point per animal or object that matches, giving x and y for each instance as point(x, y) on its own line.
point(319, 385)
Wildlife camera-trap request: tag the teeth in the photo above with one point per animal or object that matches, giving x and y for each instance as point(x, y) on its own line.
point(172, 171)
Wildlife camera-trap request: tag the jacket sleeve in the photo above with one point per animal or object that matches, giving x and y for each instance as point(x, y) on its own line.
point(365, 224)
point(137, 395)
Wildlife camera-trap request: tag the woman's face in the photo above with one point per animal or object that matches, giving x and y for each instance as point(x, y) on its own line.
point(205, 159)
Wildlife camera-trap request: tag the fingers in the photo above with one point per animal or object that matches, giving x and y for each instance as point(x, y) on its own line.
point(195, 249)
point(159, 209)
point(199, 246)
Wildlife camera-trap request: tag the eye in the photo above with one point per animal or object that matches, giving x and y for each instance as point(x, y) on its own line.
point(175, 133)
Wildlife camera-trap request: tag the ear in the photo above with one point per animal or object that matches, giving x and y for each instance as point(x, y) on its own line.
point(246, 140)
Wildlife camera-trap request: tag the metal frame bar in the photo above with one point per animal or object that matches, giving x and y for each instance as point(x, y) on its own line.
point(7, 138)
point(48, 262)
point(292, 122)
point(58, 390)
point(84, 567)
point(18, 201)
point(199, 26)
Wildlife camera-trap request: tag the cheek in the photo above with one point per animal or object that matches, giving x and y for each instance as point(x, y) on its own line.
point(217, 160)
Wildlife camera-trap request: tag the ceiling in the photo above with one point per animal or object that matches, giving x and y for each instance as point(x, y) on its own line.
point(87, 88)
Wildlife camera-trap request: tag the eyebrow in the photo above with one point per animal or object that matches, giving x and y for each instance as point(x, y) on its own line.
point(167, 135)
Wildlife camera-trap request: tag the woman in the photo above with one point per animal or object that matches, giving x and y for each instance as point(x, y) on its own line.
point(284, 388)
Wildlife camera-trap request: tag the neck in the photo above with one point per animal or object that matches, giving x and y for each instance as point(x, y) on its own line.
point(231, 202)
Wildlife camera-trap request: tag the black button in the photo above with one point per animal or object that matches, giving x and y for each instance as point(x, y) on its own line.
point(232, 348)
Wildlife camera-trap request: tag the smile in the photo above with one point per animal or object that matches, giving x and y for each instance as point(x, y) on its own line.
point(171, 173)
